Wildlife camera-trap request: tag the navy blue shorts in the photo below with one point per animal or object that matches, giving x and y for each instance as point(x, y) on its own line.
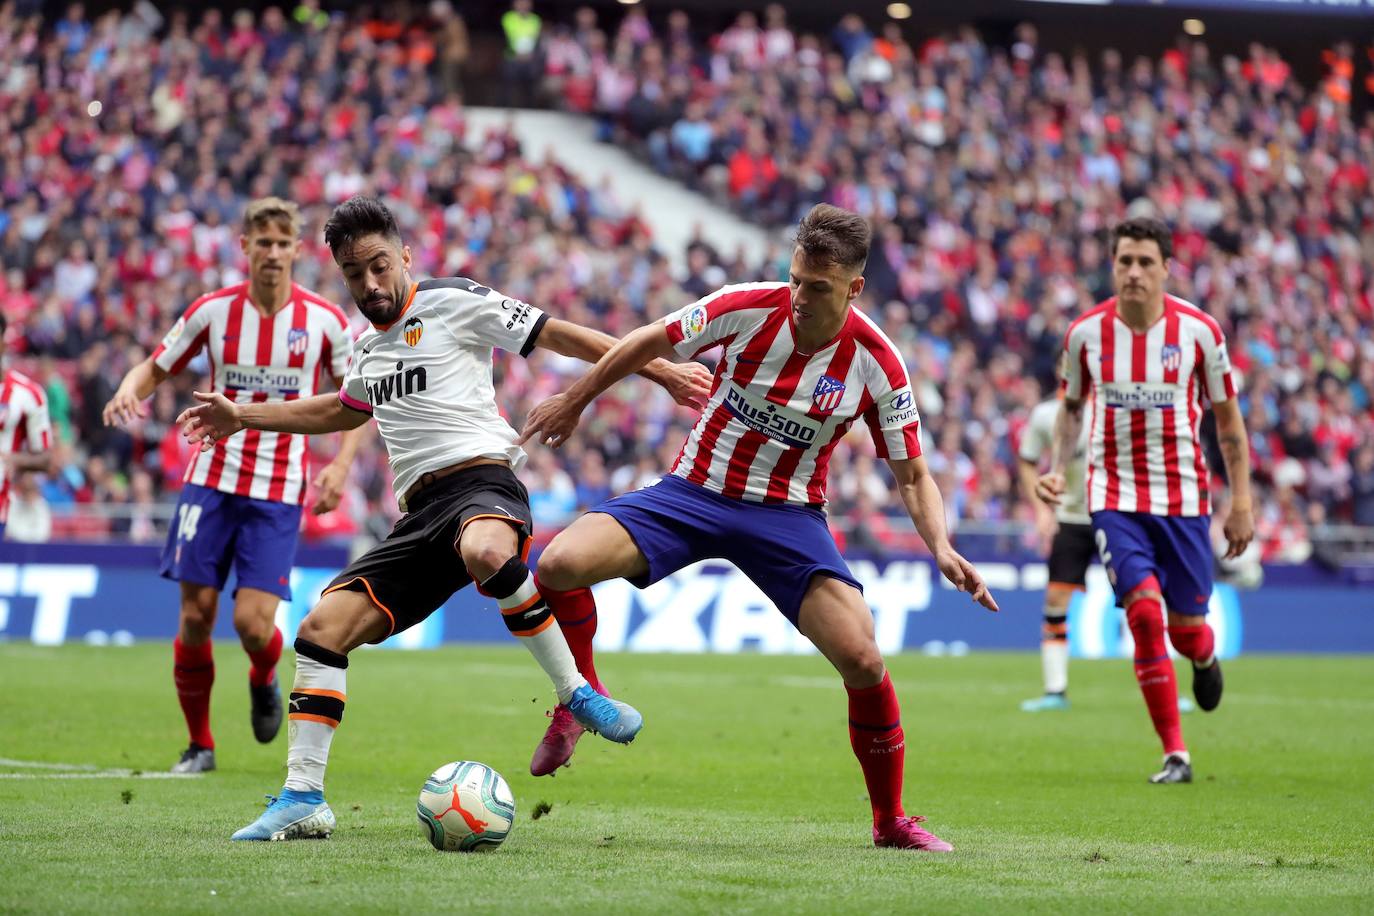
point(1177, 550)
point(212, 531)
point(779, 547)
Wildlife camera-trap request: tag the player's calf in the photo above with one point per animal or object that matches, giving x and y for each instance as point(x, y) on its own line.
point(1197, 643)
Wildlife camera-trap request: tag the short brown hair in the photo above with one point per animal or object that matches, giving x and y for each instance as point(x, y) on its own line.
point(1144, 228)
point(830, 235)
point(272, 210)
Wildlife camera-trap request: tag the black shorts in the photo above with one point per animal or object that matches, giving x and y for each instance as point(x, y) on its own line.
point(1072, 551)
point(413, 572)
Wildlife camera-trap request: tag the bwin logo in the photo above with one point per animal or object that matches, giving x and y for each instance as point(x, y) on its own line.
point(405, 381)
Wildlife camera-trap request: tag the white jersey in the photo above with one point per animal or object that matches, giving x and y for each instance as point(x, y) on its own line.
point(254, 360)
point(426, 377)
point(776, 413)
point(24, 425)
point(1147, 392)
point(1037, 442)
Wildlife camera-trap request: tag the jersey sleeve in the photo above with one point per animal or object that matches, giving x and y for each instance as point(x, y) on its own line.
point(37, 423)
point(892, 419)
point(696, 328)
point(339, 339)
point(498, 320)
point(184, 340)
point(1035, 438)
point(1216, 368)
point(353, 391)
point(1076, 384)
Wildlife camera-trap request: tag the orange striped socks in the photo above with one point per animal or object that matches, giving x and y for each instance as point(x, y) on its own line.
point(529, 619)
point(315, 711)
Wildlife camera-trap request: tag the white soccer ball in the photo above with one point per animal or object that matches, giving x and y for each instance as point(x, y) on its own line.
point(465, 806)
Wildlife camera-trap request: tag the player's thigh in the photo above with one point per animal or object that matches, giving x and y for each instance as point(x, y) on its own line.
point(592, 549)
point(200, 540)
point(343, 620)
point(265, 547)
point(1124, 546)
point(1184, 546)
point(835, 617)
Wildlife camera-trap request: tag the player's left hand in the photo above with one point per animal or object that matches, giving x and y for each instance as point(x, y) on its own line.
point(552, 421)
point(689, 384)
point(1239, 530)
point(329, 484)
point(965, 578)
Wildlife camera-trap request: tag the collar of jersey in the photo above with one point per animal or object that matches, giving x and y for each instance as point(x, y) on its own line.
point(409, 299)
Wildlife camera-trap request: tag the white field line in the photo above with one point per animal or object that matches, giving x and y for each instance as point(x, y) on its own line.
point(80, 771)
point(102, 774)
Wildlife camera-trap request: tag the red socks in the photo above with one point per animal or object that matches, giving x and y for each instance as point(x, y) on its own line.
point(265, 661)
point(1195, 643)
point(875, 734)
point(193, 671)
point(575, 611)
point(1154, 670)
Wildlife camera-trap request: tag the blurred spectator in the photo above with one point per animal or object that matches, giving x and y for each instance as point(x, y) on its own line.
point(30, 520)
point(991, 174)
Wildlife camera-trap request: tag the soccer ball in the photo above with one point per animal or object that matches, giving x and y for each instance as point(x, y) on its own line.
point(465, 806)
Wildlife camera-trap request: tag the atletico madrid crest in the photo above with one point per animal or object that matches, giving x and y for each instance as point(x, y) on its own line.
point(412, 330)
point(828, 393)
point(1171, 357)
point(297, 340)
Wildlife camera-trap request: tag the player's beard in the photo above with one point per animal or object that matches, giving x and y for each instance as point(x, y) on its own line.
point(380, 311)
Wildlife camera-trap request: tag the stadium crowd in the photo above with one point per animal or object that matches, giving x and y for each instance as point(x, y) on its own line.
point(130, 142)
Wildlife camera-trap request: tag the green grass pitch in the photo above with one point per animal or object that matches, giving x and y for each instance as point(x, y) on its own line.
point(741, 794)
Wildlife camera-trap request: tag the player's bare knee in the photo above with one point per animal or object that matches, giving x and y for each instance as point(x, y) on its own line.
point(198, 617)
point(254, 630)
point(323, 632)
point(862, 666)
point(485, 559)
point(558, 567)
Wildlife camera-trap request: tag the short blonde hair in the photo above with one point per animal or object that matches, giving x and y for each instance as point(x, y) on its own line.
point(272, 209)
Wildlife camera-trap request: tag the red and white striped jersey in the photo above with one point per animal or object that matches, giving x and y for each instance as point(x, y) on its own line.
point(24, 424)
point(1147, 392)
point(775, 413)
point(255, 359)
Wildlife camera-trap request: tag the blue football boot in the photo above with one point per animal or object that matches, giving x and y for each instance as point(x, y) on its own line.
point(291, 816)
point(609, 718)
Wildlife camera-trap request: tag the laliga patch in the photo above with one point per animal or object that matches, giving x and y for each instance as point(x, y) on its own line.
point(412, 330)
point(693, 323)
point(175, 332)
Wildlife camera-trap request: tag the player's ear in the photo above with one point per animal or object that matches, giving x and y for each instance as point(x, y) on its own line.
point(856, 286)
point(243, 244)
point(405, 256)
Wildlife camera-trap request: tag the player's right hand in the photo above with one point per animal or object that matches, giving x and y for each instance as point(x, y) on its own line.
point(123, 408)
point(552, 421)
point(1050, 488)
point(216, 418)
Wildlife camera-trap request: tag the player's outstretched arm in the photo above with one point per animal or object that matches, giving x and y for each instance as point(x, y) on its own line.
point(1235, 454)
point(553, 420)
point(688, 383)
point(135, 388)
point(921, 496)
point(1068, 426)
point(217, 417)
